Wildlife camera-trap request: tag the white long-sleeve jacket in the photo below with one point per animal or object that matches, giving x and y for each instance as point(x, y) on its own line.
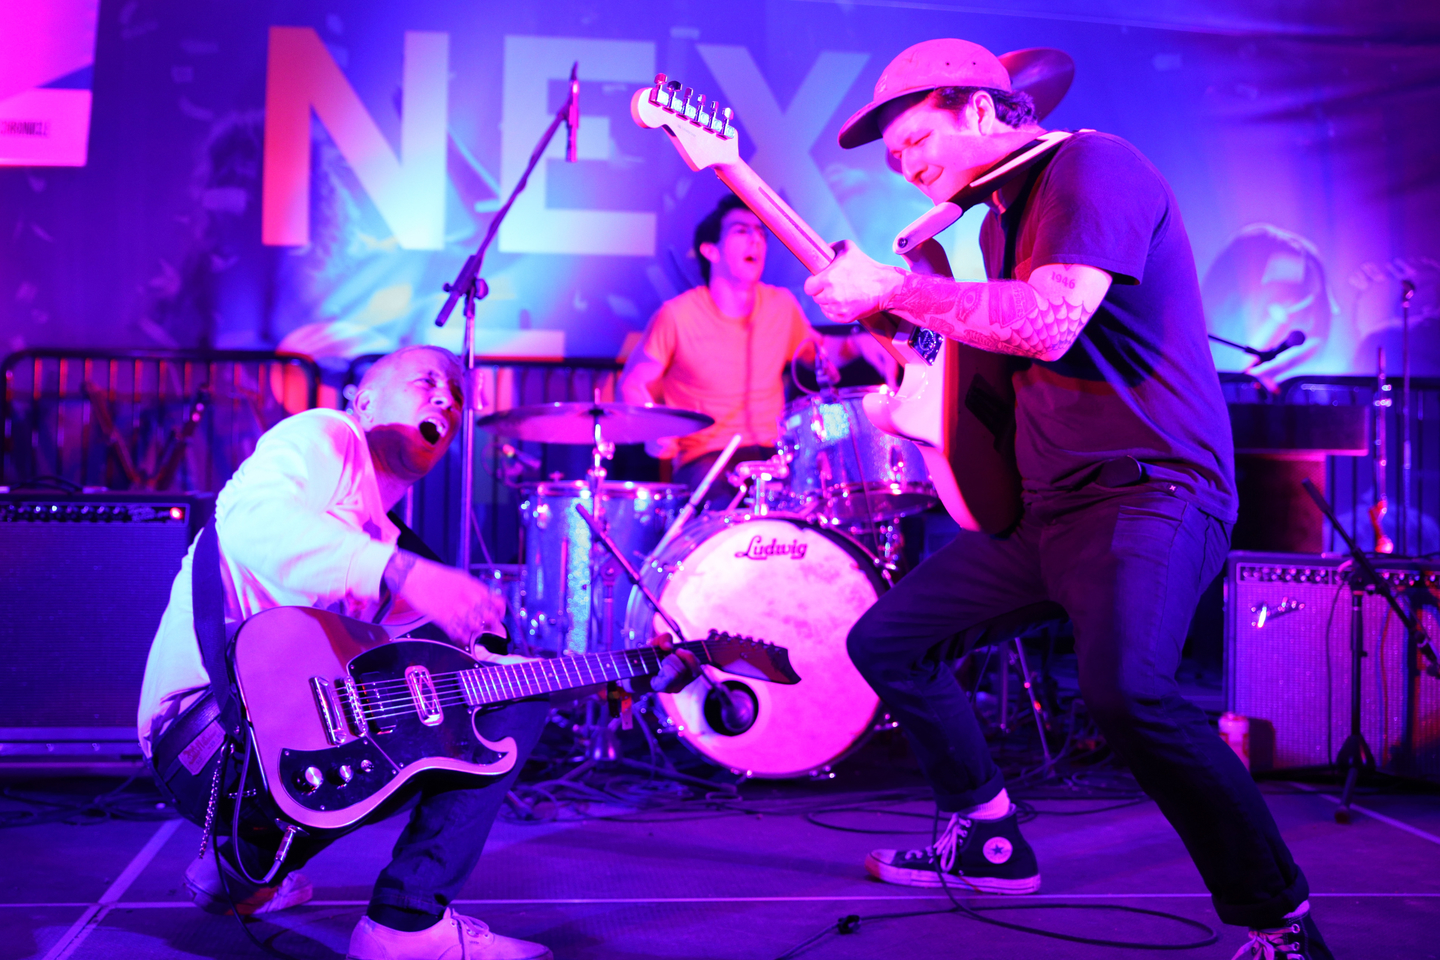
point(301, 523)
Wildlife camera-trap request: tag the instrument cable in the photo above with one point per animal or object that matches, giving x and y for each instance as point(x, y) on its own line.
point(850, 923)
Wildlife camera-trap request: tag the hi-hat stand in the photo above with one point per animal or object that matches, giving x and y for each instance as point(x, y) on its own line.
point(1355, 755)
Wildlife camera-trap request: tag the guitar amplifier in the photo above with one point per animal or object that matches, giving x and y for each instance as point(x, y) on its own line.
point(1288, 664)
point(83, 581)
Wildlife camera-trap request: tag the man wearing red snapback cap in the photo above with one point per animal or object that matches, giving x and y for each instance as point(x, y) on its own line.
point(1123, 445)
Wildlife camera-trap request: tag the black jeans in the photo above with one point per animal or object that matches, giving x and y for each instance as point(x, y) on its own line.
point(1128, 565)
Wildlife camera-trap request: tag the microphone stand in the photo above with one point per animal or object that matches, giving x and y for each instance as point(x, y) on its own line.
point(469, 286)
point(1402, 528)
point(1355, 753)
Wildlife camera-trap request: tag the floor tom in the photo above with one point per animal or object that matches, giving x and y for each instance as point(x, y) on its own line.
point(574, 598)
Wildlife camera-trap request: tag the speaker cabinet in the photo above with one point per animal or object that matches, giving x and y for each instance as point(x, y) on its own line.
point(1288, 665)
point(83, 582)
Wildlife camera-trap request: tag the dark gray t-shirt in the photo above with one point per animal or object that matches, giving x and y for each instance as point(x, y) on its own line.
point(1139, 381)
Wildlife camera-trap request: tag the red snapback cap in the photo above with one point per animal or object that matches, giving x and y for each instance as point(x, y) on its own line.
point(1043, 73)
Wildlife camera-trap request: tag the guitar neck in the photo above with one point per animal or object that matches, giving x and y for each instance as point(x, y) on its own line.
point(797, 235)
point(515, 681)
point(775, 213)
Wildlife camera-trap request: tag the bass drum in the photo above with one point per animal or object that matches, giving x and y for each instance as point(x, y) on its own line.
point(787, 581)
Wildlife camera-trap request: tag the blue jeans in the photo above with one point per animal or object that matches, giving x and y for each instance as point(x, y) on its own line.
point(1128, 565)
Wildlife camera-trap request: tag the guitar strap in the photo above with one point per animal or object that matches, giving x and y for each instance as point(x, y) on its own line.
point(207, 601)
point(1011, 215)
point(186, 758)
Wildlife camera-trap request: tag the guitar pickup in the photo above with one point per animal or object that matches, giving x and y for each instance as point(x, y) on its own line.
point(332, 716)
point(424, 696)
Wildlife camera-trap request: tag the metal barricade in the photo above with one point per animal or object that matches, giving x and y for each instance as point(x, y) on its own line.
point(135, 419)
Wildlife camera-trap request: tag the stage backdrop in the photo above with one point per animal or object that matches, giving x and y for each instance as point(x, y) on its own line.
point(306, 174)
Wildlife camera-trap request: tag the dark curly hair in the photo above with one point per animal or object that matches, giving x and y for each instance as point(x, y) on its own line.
point(708, 230)
point(1012, 109)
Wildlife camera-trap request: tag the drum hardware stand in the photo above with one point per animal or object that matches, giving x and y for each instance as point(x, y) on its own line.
point(1014, 656)
point(756, 474)
point(604, 746)
point(469, 285)
point(1355, 754)
point(735, 716)
point(695, 500)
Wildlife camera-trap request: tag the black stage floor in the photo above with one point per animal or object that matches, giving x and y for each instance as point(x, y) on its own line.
point(752, 880)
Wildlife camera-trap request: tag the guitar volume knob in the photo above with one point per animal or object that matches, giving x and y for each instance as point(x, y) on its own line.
point(345, 772)
point(311, 779)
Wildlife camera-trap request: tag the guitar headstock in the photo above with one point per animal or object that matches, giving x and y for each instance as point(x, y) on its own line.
point(746, 657)
point(702, 132)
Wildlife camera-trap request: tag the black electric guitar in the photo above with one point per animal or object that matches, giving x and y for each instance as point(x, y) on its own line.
point(342, 715)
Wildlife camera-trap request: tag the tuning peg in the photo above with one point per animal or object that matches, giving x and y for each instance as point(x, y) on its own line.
point(729, 130)
point(658, 95)
point(699, 116)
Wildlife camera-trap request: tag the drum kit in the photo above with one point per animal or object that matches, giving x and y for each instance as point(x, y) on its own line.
point(809, 543)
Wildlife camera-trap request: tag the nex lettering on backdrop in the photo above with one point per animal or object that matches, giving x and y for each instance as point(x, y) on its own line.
point(408, 188)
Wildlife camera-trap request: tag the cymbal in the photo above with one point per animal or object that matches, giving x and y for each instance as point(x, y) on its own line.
point(1043, 72)
point(575, 422)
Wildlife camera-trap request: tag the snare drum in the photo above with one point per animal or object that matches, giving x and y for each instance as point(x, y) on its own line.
point(786, 581)
point(570, 600)
point(836, 454)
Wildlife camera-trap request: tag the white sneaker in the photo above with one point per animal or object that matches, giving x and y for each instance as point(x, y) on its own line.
point(202, 879)
point(455, 937)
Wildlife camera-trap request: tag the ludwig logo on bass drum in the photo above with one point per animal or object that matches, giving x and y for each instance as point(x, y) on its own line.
point(758, 549)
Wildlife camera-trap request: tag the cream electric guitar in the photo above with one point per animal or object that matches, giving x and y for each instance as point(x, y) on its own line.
point(343, 716)
point(955, 402)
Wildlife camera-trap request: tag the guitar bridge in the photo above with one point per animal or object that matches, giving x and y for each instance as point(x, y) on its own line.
point(424, 696)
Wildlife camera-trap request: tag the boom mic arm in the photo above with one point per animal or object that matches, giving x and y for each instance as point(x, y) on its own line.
point(572, 116)
point(1295, 338)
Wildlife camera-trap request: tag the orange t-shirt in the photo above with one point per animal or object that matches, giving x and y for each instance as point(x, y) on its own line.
point(726, 367)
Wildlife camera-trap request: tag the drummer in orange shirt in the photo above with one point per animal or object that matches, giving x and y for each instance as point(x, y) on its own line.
point(720, 349)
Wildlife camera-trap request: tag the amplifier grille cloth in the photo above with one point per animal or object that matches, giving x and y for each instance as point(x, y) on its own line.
point(81, 603)
point(1293, 669)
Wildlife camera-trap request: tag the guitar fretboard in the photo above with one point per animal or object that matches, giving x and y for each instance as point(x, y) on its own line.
point(497, 684)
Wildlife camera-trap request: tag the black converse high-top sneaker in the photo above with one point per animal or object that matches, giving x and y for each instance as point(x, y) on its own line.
point(1299, 939)
point(984, 856)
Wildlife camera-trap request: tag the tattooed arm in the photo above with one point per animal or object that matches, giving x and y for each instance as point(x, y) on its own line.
point(1039, 317)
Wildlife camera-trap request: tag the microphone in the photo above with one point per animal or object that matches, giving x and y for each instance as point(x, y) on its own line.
point(572, 116)
point(1293, 340)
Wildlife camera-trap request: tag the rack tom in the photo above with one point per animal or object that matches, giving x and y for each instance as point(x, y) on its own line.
point(844, 469)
